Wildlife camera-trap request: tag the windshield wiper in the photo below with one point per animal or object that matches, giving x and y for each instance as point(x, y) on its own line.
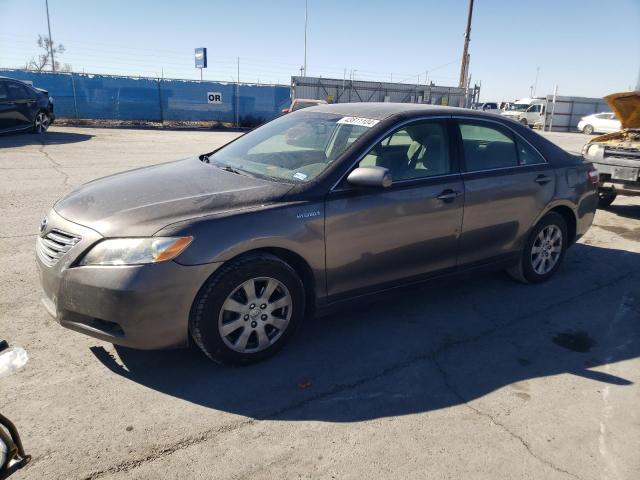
point(227, 168)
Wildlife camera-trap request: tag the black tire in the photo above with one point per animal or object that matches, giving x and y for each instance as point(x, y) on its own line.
point(524, 271)
point(606, 198)
point(207, 306)
point(524, 122)
point(587, 129)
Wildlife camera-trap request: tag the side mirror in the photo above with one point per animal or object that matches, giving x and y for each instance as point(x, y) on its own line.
point(370, 177)
point(285, 110)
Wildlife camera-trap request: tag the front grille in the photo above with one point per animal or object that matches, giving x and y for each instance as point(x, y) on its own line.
point(54, 245)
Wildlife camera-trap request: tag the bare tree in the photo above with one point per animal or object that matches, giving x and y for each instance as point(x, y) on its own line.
point(40, 62)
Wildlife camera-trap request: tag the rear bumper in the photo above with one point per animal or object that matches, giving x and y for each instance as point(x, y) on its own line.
point(142, 306)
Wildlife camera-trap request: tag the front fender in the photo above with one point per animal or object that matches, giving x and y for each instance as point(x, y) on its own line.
point(297, 227)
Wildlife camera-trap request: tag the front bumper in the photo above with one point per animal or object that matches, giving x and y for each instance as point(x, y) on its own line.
point(140, 306)
point(607, 172)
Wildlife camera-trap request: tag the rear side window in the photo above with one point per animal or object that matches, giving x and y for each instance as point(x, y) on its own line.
point(16, 91)
point(487, 147)
point(527, 154)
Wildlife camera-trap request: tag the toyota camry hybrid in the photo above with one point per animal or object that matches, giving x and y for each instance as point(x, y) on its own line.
point(234, 248)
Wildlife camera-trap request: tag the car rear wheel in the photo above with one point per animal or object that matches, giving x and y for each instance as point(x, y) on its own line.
point(587, 129)
point(606, 198)
point(41, 122)
point(543, 251)
point(248, 310)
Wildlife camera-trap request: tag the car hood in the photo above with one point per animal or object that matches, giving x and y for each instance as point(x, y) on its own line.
point(141, 202)
point(626, 106)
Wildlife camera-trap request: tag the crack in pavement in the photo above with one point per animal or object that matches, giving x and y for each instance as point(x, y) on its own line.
point(495, 422)
point(19, 236)
point(55, 165)
point(337, 388)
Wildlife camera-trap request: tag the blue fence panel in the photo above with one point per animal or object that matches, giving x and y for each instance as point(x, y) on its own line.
point(129, 98)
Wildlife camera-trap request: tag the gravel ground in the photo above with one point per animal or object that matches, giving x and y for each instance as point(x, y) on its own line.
point(474, 378)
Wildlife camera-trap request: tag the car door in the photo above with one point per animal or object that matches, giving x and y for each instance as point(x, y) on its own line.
point(382, 236)
point(23, 102)
point(507, 185)
point(8, 111)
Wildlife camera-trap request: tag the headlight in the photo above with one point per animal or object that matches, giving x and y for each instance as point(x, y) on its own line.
point(592, 150)
point(135, 251)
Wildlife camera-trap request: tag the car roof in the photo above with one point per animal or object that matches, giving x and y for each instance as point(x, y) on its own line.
point(383, 110)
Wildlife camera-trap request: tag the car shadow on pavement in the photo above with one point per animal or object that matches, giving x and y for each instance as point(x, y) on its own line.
point(423, 349)
point(49, 138)
point(626, 211)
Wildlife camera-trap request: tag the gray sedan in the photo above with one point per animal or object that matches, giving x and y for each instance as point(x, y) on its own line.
point(234, 248)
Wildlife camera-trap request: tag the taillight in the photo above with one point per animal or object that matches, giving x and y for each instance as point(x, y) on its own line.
point(593, 177)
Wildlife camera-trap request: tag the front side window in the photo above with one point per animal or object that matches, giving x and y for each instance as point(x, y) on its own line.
point(3, 91)
point(293, 148)
point(417, 150)
point(487, 147)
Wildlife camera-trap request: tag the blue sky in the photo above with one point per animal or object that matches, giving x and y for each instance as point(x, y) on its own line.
point(587, 47)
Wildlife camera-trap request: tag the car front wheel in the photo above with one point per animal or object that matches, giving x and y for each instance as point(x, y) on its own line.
point(41, 122)
point(248, 310)
point(544, 250)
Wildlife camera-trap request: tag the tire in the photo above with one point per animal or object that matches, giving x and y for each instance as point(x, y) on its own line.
point(606, 198)
point(524, 122)
point(529, 268)
point(233, 325)
point(587, 129)
point(41, 122)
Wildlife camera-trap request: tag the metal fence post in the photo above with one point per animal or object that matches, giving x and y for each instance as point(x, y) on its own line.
point(160, 100)
point(75, 101)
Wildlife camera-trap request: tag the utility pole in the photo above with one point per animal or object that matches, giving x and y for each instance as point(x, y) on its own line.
point(535, 85)
point(53, 62)
point(465, 50)
point(306, 18)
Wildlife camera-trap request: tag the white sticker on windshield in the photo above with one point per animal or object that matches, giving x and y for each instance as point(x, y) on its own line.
point(363, 122)
point(300, 176)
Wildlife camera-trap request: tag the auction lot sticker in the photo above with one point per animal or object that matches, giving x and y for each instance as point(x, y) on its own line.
point(363, 122)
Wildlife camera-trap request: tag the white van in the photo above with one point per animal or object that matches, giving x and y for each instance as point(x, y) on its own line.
point(528, 111)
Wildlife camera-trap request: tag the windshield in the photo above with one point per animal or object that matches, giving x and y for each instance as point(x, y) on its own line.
point(293, 148)
point(519, 107)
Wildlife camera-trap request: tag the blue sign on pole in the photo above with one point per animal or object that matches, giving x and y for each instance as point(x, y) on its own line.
point(201, 58)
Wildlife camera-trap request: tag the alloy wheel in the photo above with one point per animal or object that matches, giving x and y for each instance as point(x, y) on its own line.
point(255, 315)
point(546, 249)
point(41, 122)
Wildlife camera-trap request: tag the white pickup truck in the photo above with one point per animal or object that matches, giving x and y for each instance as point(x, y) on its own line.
point(528, 111)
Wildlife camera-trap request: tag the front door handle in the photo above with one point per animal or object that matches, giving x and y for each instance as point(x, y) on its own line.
point(448, 195)
point(542, 179)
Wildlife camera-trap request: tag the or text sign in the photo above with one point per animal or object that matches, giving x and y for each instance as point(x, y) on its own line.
point(214, 97)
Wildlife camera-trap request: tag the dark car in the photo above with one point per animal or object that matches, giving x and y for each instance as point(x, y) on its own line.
point(234, 248)
point(23, 107)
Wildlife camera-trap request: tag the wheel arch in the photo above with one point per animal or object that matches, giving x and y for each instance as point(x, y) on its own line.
point(570, 219)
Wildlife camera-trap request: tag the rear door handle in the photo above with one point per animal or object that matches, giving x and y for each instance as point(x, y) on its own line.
point(448, 195)
point(542, 179)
